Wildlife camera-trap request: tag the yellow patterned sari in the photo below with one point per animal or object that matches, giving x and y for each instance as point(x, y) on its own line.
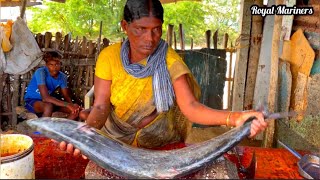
point(132, 100)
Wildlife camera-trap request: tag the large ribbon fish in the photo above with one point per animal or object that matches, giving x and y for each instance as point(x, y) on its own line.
point(131, 162)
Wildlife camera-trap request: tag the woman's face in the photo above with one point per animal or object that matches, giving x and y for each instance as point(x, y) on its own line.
point(144, 35)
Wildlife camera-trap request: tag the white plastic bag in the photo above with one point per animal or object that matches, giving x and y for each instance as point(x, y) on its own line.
point(25, 54)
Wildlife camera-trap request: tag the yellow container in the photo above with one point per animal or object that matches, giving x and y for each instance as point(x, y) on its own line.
point(16, 157)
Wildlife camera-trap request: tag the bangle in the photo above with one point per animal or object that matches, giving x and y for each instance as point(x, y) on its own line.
point(228, 119)
point(65, 104)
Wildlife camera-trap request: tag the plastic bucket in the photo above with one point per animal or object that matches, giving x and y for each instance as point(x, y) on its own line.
point(16, 157)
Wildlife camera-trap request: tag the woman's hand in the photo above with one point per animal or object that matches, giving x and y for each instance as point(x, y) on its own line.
point(70, 149)
point(258, 125)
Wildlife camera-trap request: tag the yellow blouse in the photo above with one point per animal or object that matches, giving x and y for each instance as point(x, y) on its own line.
point(131, 97)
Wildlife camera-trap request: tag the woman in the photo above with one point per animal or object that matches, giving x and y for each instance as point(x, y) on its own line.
point(144, 93)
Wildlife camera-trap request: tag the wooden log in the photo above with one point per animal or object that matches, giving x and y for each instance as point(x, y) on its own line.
point(255, 44)
point(215, 40)
point(47, 41)
point(225, 41)
point(273, 84)
point(169, 34)
point(181, 35)
point(242, 57)
point(208, 38)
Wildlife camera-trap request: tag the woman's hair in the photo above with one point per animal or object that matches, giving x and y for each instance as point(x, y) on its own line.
point(136, 9)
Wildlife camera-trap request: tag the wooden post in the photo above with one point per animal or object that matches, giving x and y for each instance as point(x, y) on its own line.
point(99, 43)
point(208, 38)
point(169, 34)
point(91, 48)
point(23, 8)
point(58, 40)
point(47, 39)
point(225, 41)
point(67, 39)
point(39, 39)
point(3, 78)
point(215, 40)
point(191, 44)
point(175, 40)
point(256, 36)
point(269, 133)
point(84, 46)
point(229, 78)
point(242, 57)
point(181, 34)
point(15, 99)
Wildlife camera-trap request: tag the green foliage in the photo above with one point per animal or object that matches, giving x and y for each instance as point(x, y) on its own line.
point(82, 18)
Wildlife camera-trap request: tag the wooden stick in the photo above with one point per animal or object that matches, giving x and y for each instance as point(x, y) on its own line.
point(208, 38)
point(23, 8)
point(191, 44)
point(181, 34)
point(215, 40)
point(225, 41)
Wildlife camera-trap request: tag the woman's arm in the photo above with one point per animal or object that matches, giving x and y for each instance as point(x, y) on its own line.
point(201, 114)
point(101, 107)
